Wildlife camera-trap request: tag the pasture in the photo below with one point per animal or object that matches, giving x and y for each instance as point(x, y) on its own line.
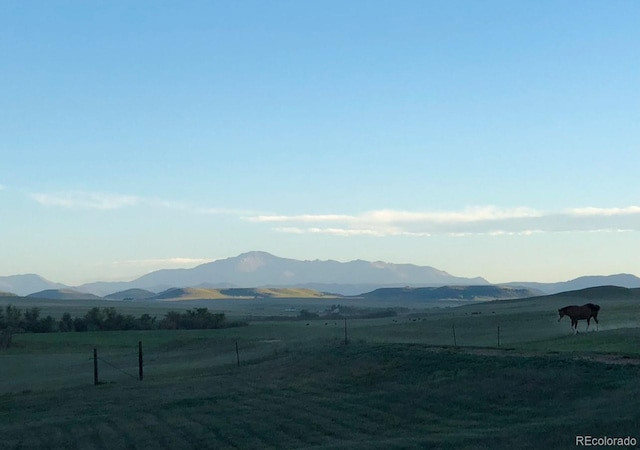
point(399, 383)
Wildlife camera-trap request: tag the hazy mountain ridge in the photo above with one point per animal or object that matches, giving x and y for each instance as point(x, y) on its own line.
point(258, 269)
point(261, 269)
point(624, 280)
point(26, 284)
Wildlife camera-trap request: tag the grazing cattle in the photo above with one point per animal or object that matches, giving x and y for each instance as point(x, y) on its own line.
point(584, 312)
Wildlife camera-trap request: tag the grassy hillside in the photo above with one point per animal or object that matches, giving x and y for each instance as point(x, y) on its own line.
point(489, 292)
point(320, 394)
point(63, 294)
point(274, 293)
point(189, 294)
point(131, 294)
point(241, 293)
point(601, 293)
point(399, 383)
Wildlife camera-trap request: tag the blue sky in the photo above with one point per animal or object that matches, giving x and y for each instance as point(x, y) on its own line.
point(495, 138)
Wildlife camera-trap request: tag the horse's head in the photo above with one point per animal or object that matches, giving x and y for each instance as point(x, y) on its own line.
point(561, 313)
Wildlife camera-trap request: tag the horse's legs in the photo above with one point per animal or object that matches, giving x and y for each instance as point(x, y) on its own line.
point(596, 319)
point(588, 323)
point(574, 325)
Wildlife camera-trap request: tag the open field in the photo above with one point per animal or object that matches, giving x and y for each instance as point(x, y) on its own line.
point(399, 383)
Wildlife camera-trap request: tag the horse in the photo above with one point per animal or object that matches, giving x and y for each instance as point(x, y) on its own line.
point(584, 312)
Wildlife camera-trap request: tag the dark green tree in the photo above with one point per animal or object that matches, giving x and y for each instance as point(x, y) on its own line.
point(66, 323)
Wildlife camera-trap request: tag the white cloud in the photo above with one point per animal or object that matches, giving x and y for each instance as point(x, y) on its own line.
point(590, 211)
point(479, 220)
point(222, 211)
point(313, 218)
point(194, 209)
point(86, 200)
point(112, 201)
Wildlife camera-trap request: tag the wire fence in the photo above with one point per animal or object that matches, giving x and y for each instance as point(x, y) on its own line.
point(34, 370)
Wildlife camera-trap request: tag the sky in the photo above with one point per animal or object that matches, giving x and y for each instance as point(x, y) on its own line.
point(496, 138)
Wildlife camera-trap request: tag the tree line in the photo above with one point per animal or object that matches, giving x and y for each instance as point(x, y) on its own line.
point(13, 320)
point(350, 312)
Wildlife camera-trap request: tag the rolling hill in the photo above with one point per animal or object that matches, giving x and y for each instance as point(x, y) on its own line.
point(131, 294)
point(621, 279)
point(600, 293)
point(490, 292)
point(63, 294)
point(237, 293)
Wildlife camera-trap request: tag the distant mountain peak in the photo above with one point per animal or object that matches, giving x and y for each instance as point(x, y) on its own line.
point(254, 254)
point(252, 261)
point(262, 269)
point(255, 269)
point(379, 264)
point(25, 284)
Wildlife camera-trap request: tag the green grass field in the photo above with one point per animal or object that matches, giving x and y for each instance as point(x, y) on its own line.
point(399, 383)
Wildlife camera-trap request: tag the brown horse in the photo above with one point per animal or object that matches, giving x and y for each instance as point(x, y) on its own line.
point(584, 312)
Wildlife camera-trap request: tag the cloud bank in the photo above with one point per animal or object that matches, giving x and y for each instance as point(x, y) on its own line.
point(85, 200)
point(477, 220)
point(485, 220)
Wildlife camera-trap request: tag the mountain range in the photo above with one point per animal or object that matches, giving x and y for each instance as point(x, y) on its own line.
point(261, 269)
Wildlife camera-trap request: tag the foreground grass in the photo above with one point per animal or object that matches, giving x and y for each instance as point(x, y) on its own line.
point(335, 396)
point(400, 383)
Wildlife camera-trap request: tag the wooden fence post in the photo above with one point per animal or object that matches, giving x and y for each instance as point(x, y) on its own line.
point(140, 369)
point(237, 354)
point(455, 342)
point(95, 366)
point(346, 339)
point(498, 335)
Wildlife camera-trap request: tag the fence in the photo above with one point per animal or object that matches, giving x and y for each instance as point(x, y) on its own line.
point(184, 353)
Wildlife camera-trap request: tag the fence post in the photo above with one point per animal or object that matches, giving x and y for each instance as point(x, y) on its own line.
point(455, 342)
point(140, 370)
point(237, 354)
point(346, 340)
point(498, 335)
point(95, 366)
